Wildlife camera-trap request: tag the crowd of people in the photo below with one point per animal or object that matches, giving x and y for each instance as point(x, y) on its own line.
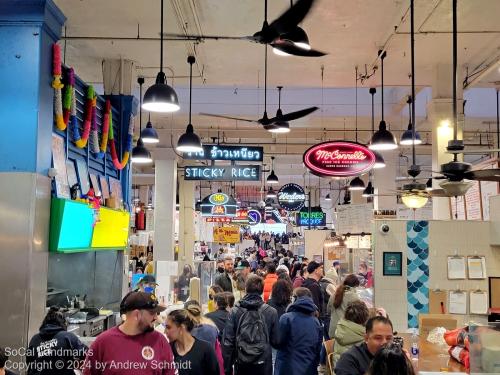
point(268, 313)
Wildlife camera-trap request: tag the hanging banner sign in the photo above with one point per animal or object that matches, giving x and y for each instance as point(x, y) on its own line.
point(254, 217)
point(224, 152)
point(223, 173)
point(339, 159)
point(227, 234)
point(316, 218)
point(218, 205)
point(291, 197)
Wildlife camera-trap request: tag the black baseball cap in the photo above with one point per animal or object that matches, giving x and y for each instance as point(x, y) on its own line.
point(313, 266)
point(242, 264)
point(148, 279)
point(140, 301)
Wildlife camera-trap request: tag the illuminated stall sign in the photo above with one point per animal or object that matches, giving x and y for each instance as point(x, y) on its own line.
point(241, 217)
point(291, 197)
point(316, 218)
point(218, 205)
point(339, 159)
point(254, 217)
point(218, 219)
point(223, 173)
point(224, 152)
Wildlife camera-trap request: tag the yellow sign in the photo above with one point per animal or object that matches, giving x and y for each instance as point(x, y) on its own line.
point(111, 231)
point(227, 234)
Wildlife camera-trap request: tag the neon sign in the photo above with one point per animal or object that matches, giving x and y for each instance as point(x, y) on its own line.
point(224, 152)
point(315, 218)
point(254, 217)
point(291, 197)
point(223, 173)
point(339, 159)
point(218, 205)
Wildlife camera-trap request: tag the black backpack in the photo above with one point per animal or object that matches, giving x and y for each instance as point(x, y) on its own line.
point(252, 337)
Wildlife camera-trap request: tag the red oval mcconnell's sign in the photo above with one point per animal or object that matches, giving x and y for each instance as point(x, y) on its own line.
point(339, 159)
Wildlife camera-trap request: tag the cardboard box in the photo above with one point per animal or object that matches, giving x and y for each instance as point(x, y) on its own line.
point(427, 322)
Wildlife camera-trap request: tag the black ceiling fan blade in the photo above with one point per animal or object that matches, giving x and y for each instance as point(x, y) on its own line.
point(209, 37)
point(483, 175)
point(290, 18)
point(295, 115)
point(292, 49)
point(228, 117)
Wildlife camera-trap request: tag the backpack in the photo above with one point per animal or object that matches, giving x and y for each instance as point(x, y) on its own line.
point(252, 337)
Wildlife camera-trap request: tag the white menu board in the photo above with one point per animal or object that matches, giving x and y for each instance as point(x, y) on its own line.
point(473, 202)
point(59, 163)
point(354, 218)
point(488, 189)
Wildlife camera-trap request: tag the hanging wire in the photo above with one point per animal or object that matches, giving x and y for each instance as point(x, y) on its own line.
point(356, 96)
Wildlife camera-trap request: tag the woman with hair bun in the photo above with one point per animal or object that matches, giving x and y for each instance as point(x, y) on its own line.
point(192, 356)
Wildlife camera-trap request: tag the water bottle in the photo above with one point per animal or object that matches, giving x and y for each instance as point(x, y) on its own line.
point(414, 349)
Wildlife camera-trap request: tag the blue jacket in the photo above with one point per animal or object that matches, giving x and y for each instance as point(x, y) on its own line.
point(300, 340)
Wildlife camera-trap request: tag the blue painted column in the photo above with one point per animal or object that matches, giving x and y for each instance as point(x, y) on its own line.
point(28, 28)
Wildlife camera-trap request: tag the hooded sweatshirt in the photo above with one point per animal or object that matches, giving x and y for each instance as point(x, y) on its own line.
point(300, 339)
point(50, 345)
point(347, 334)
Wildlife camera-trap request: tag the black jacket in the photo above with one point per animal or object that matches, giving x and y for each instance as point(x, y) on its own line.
point(280, 309)
point(224, 281)
point(220, 318)
point(50, 345)
point(355, 361)
point(317, 294)
point(250, 301)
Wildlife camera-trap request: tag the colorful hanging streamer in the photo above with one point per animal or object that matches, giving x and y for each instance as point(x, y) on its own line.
point(69, 100)
point(90, 116)
point(57, 86)
point(105, 132)
point(94, 134)
point(128, 147)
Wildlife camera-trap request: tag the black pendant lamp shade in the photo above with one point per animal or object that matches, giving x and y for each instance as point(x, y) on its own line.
point(271, 193)
point(379, 160)
point(407, 136)
point(298, 37)
point(369, 190)
point(149, 134)
point(383, 139)
point(328, 198)
point(161, 97)
point(272, 178)
point(140, 154)
point(356, 184)
point(189, 141)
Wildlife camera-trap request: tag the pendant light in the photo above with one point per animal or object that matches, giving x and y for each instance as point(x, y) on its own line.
point(149, 134)
point(189, 141)
point(383, 139)
point(379, 160)
point(416, 196)
point(271, 193)
point(369, 190)
point(356, 184)
point(327, 197)
point(407, 136)
point(272, 178)
point(140, 154)
point(161, 97)
point(297, 36)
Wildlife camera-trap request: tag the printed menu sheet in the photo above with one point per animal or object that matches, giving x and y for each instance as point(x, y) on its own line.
point(456, 267)
point(478, 302)
point(477, 267)
point(458, 302)
point(473, 202)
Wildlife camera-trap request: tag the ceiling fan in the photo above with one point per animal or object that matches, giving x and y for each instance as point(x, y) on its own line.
point(277, 124)
point(456, 171)
point(283, 33)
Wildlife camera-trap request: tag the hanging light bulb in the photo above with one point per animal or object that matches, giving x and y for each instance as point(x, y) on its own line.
point(356, 184)
point(161, 97)
point(140, 154)
point(414, 201)
point(189, 141)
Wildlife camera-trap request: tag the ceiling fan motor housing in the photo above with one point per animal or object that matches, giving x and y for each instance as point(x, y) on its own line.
point(455, 170)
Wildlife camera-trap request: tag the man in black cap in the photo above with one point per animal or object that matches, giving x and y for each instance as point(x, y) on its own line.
point(146, 284)
point(315, 271)
point(134, 345)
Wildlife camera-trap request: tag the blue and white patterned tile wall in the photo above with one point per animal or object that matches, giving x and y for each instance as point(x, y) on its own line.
point(417, 235)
